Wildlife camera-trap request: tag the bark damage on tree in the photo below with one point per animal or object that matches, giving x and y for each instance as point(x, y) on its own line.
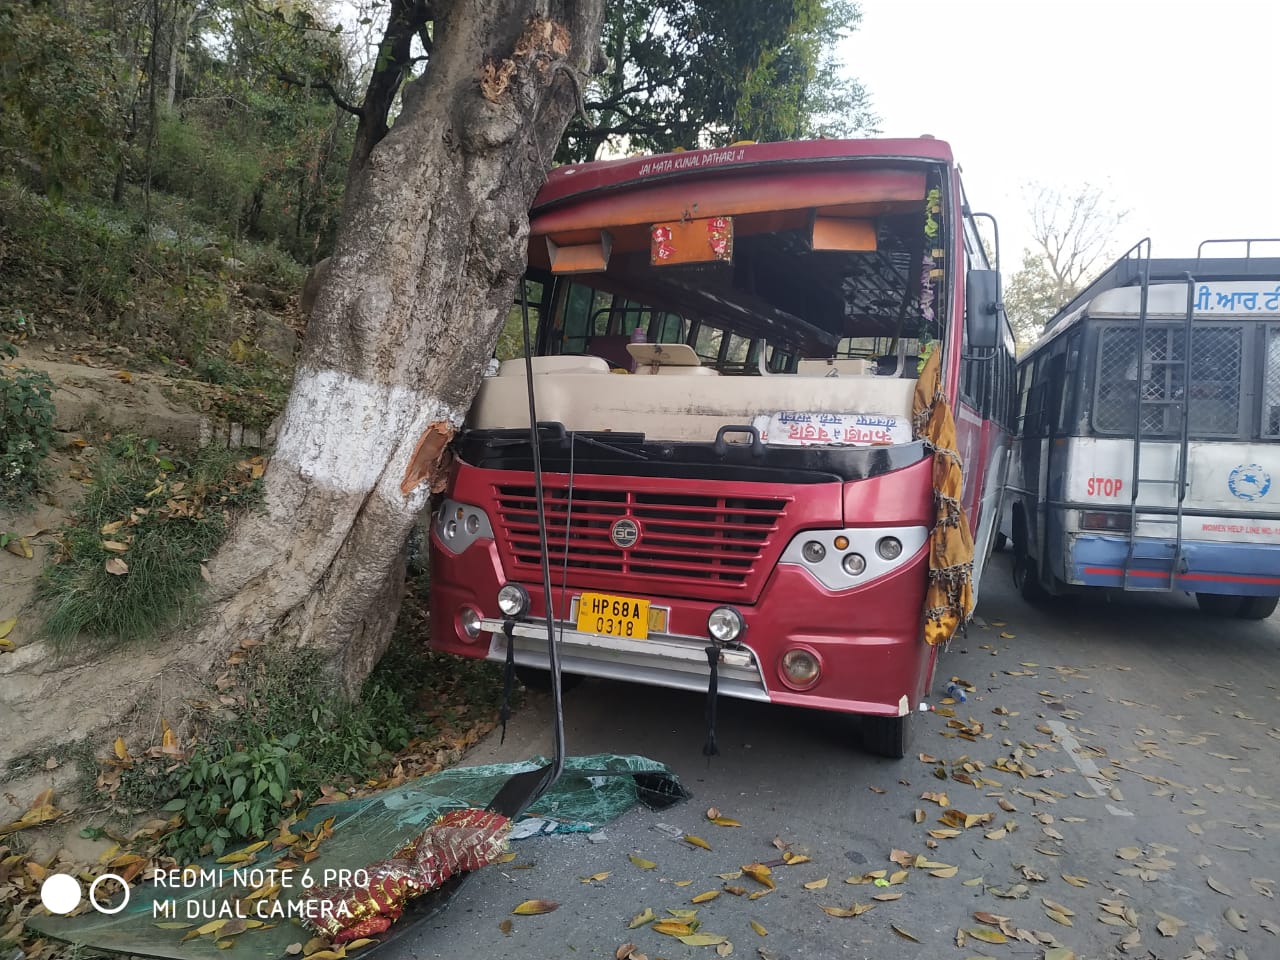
point(423, 273)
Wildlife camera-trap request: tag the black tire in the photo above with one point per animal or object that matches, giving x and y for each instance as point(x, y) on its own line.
point(1026, 578)
point(1257, 608)
point(1221, 604)
point(1001, 542)
point(888, 736)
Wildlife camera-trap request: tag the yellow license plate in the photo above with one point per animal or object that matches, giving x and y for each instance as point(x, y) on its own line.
point(612, 616)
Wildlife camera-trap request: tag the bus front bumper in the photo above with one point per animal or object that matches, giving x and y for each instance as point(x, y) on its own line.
point(868, 641)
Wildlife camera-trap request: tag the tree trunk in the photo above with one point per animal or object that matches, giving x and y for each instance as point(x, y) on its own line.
point(422, 276)
point(181, 30)
point(432, 243)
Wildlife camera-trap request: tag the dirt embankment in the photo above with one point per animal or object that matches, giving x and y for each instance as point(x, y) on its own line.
point(49, 703)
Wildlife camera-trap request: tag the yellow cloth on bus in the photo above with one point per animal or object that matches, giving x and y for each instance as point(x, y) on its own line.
point(948, 602)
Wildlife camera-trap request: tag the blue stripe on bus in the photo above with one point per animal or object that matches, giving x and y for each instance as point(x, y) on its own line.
point(1241, 569)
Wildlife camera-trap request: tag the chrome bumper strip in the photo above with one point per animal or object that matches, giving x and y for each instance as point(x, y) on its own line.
point(663, 662)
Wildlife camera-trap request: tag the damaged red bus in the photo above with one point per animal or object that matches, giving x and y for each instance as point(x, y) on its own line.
point(727, 351)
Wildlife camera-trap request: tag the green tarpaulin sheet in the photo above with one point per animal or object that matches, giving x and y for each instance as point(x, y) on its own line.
point(592, 791)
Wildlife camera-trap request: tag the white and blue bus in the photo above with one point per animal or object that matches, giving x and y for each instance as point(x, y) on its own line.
point(1147, 456)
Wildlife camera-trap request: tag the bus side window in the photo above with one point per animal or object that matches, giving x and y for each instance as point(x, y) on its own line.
point(1071, 386)
point(1271, 384)
point(577, 307)
point(707, 341)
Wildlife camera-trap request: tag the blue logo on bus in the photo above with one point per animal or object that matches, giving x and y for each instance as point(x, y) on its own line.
point(1249, 481)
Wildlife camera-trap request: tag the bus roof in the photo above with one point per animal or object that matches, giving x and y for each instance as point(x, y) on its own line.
point(574, 180)
point(1222, 286)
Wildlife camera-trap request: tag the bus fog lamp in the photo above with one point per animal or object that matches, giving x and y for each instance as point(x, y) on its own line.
point(451, 530)
point(889, 548)
point(469, 618)
point(801, 668)
point(513, 600)
point(472, 524)
point(813, 551)
point(725, 624)
point(855, 564)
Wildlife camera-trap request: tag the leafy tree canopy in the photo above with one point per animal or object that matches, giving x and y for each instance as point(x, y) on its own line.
point(690, 73)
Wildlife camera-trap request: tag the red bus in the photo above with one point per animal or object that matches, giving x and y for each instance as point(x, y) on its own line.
point(728, 348)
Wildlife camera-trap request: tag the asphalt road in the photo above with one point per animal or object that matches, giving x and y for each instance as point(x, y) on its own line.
point(1149, 739)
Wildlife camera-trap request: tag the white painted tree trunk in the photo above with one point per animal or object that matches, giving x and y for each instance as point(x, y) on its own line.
point(421, 278)
point(432, 244)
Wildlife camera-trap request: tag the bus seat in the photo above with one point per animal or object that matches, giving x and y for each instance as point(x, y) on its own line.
point(565, 363)
point(687, 372)
point(848, 367)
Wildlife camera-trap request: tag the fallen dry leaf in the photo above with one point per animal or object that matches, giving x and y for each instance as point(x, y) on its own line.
point(904, 934)
point(816, 884)
point(759, 928)
point(1218, 887)
point(857, 910)
point(506, 926)
point(702, 939)
point(987, 936)
point(705, 897)
point(696, 841)
point(641, 862)
point(532, 908)
point(672, 928)
point(640, 919)
point(20, 547)
point(595, 877)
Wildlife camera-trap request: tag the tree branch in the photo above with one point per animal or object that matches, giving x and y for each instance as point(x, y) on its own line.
point(327, 87)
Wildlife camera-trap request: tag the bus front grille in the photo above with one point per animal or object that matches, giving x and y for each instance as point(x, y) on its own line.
point(684, 540)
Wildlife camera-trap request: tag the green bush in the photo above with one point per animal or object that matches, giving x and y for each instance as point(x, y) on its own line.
point(247, 775)
point(26, 428)
point(209, 167)
point(80, 254)
point(227, 795)
point(159, 514)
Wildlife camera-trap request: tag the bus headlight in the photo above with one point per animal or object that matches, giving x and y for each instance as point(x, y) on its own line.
point(469, 620)
point(725, 624)
point(852, 558)
point(889, 548)
point(513, 600)
point(800, 668)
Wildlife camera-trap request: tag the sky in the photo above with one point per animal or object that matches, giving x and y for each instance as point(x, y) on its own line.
point(1172, 108)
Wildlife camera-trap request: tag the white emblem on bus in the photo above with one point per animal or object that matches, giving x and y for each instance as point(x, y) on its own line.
point(624, 533)
point(1249, 481)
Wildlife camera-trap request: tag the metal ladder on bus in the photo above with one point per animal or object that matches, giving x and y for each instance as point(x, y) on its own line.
point(1145, 369)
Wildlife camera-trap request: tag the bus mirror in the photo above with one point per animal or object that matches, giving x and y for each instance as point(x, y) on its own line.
point(982, 309)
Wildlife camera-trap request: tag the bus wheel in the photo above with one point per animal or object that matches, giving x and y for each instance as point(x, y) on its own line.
point(1025, 577)
point(1221, 604)
point(1257, 608)
point(888, 736)
point(1001, 542)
